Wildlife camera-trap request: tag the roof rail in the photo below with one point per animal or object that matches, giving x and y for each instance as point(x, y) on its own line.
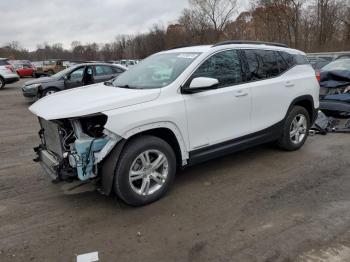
point(239, 42)
point(180, 46)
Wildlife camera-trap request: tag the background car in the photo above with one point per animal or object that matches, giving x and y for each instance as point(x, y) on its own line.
point(49, 67)
point(8, 74)
point(24, 68)
point(335, 87)
point(75, 76)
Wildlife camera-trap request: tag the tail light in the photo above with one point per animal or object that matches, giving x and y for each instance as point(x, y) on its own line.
point(10, 68)
point(318, 76)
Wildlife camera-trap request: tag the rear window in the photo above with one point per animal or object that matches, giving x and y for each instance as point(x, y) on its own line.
point(3, 62)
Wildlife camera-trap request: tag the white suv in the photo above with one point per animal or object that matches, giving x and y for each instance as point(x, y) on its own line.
point(8, 74)
point(174, 109)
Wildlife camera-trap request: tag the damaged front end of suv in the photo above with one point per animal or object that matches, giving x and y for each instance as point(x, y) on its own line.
point(74, 148)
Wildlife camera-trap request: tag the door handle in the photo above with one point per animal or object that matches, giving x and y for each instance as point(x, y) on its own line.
point(240, 93)
point(290, 84)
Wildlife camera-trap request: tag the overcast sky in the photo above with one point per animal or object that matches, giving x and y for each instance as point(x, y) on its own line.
point(63, 21)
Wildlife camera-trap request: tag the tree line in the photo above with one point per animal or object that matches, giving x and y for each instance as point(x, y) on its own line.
point(312, 26)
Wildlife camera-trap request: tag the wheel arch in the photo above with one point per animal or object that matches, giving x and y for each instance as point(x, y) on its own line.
point(307, 102)
point(164, 130)
point(167, 131)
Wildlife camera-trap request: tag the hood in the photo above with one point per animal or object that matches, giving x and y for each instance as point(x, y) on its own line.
point(40, 80)
point(90, 100)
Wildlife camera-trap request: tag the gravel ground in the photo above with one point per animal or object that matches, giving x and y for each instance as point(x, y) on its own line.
point(258, 205)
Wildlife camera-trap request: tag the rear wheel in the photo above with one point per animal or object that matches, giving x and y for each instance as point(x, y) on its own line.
point(145, 170)
point(296, 129)
point(2, 82)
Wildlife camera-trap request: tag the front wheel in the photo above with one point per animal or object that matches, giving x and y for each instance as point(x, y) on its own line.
point(145, 170)
point(49, 91)
point(296, 129)
point(2, 82)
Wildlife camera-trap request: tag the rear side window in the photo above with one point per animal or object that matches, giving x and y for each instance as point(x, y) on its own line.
point(224, 66)
point(269, 62)
point(282, 64)
point(262, 64)
point(103, 70)
point(118, 70)
point(301, 60)
point(293, 60)
point(288, 58)
point(3, 62)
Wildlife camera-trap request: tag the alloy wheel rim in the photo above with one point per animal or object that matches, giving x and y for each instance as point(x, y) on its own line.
point(148, 172)
point(298, 129)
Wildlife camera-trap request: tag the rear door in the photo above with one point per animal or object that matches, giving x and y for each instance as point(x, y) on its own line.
point(75, 78)
point(270, 90)
point(103, 73)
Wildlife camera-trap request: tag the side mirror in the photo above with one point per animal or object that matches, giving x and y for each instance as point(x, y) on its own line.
point(201, 84)
point(66, 77)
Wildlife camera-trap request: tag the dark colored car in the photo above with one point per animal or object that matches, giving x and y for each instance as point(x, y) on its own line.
point(75, 76)
point(335, 87)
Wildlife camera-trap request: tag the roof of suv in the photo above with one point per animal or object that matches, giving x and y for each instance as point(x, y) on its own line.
point(207, 48)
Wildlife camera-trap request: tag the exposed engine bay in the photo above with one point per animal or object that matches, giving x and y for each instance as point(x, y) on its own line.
point(74, 148)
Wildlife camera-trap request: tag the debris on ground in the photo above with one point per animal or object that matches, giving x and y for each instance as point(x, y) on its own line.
point(324, 125)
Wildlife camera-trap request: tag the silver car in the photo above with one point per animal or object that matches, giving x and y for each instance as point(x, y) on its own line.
point(8, 74)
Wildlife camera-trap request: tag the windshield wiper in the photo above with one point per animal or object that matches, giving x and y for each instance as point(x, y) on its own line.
point(127, 87)
point(108, 83)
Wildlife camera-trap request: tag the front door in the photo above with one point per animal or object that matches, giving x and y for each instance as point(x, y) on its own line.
point(75, 78)
point(221, 114)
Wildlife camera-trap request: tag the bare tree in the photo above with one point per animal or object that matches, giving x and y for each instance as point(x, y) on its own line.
point(217, 13)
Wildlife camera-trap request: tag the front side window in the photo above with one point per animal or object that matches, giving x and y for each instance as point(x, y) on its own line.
point(224, 66)
point(77, 75)
point(156, 71)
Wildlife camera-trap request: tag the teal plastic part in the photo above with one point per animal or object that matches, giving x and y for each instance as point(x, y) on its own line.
point(85, 149)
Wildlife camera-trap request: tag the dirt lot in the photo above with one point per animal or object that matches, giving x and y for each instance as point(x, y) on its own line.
point(258, 205)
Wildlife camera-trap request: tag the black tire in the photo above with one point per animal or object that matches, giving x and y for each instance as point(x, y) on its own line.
point(50, 72)
point(2, 83)
point(132, 150)
point(286, 142)
point(49, 91)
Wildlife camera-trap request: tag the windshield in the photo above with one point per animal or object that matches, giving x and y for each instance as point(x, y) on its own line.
point(156, 71)
point(341, 65)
